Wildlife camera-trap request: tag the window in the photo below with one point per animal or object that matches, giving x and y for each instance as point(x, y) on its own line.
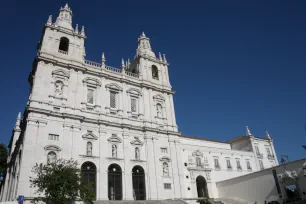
point(165, 169)
point(89, 149)
point(113, 99)
point(137, 153)
point(228, 164)
point(187, 176)
point(133, 105)
point(159, 110)
point(53, 137)
point(248, 165)
point(188, 188)
point(64, 44)
point(238, 165)
point(164, 150)
point(185, 164)
point(167, 185)
point(261, 165)
point(154, 72)
point(114, 151)
point(90, 96)
point(198, 161)
point(257, 150)
point(216, 161)
point(51, 157)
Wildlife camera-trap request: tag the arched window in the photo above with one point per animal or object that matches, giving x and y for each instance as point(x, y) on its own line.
point(64, 44)
point(114, 151)
point(51, 157)
point(159, 110)
point(137, 153)
point(89, 149)
point(165, 169)
point(154, 72)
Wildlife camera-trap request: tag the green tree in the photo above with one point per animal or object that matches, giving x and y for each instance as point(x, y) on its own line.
point(60, 183)
point(3, 159)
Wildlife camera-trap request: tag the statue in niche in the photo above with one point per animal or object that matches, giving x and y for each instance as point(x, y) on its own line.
point(58, 88)
point(159, 110)
point(51, 157)
point(137, 153)
point(114, 151)
point(165, 169)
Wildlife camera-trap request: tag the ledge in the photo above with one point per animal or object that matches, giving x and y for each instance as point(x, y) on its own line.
point(113, 158)
point(137, 160)
point(88, 156)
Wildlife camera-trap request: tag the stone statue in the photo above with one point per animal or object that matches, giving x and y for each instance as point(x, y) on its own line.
point(114, 151)
point(51, 157)
point(165, 169)
point(159, 110)
point(137, 157)
point(58, 89)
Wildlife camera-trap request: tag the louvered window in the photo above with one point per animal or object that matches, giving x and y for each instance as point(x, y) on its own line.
point(113, 99)
point(90, 96)
point(133, 105)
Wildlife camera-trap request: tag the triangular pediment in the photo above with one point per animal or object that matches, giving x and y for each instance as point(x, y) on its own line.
point(137, 141)
point(165, 159)
point(52, 148)
point(90, 136)
point(114, 139)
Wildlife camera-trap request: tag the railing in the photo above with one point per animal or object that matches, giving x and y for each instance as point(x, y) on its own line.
point(112, 69)
point(63, 52)
point(93, 64)
point(271, 156)
point(132, 74)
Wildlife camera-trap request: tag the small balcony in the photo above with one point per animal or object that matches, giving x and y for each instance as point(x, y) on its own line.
point(63, 52)
point(259, 155)
point(271, 156)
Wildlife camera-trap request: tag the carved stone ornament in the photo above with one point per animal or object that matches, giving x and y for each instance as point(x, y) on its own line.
point(114, 139)
point(165, 159)
point(60, 72)
point(113, 86)
point(288, 175)
point(137, 142)
point(159, 97)
point(90, 136)
point(92, 81)
point(52, 148)
point(134, 91)
point(197, 153)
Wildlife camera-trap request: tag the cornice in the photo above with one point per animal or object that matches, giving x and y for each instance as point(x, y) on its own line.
point(69, 32)
point(99, 73)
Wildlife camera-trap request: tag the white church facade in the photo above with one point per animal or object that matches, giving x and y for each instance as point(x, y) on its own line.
point(119, 124)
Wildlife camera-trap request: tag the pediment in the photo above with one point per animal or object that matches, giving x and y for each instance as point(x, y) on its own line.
point(114, 86)
point(92, 81)
point(61, 72)
point(165, 159)
point(197, 153)
point(114, 139)
point(137, 141)
point(90, 136)
point(159, 97)
point(134, 91)
point(52, 148)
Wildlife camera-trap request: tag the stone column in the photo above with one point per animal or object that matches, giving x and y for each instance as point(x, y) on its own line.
point(175, 168)
point(127, 177)
point(102, 171)
point(98, 101)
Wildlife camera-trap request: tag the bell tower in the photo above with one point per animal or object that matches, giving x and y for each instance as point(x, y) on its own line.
point(64, 18)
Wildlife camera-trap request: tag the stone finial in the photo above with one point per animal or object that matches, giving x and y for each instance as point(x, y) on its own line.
point(160, 57)
point(268, 135)
point(76, 28)
point(66, 6)
point(128, 62)
point(49, 22)
point(248, 132)
point(83, 31)
point(17, 125)
point(103, 58)
point(165, 60)
point(122, 64)
point(143, 34)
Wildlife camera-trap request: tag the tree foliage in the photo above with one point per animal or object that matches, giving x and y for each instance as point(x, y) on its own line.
point(59, 182)
point(3, 158)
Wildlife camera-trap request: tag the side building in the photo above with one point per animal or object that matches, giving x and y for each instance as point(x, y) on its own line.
point(119, 124)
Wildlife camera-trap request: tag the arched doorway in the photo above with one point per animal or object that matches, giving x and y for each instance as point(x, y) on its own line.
point(114, 182)
point(202, 187)
point(139, 183)
point(88, 178)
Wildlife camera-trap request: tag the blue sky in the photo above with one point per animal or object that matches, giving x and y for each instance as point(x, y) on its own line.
point(232, 63)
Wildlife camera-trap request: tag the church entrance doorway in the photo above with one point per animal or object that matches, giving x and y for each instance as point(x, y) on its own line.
point(114, 182)
point(88, 178)
point(139, 183)
point(202, 187)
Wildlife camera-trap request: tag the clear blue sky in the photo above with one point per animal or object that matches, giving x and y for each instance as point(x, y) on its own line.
point(233, 63)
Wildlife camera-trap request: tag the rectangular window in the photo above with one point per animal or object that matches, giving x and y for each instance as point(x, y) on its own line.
point(167, 185)
point(238, 165)
point(257, 150)
point(164, 150)
point(261, 165)
point(248, 165)
point(198, 160)
point(90, 96)
point(113, 99)
point(228, 164)
point(216, 160)
point(53, 137)
point(133, 105)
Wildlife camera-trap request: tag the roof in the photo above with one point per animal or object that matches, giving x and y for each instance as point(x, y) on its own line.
point(236, 139)
point(200, 138)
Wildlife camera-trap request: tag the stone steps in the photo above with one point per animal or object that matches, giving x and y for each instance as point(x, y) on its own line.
point(230, 201)
point(168, 201)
